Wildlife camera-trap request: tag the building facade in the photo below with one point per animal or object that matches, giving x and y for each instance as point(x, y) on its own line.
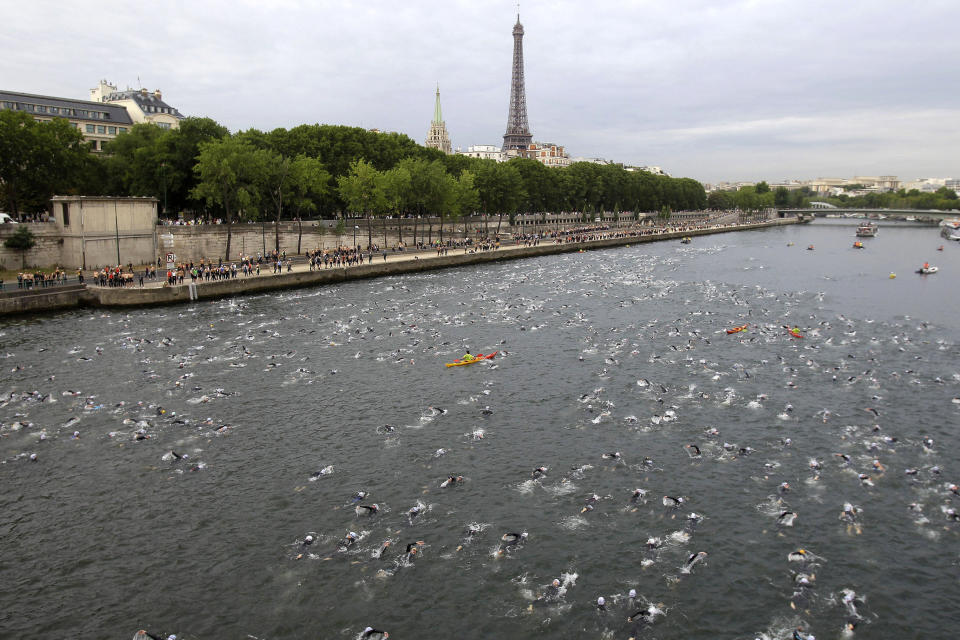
point(437, 136)
point(547, 153)
point(98, 122)
point(142, 105)
point(484, 151)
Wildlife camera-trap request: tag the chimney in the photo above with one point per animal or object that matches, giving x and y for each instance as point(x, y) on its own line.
point(157, 94)
point(143, 91)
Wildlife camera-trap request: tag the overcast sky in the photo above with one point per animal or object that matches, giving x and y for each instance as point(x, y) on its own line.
point(719, 90)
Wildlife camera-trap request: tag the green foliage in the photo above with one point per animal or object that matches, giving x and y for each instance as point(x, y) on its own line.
point(942, 199)
point(38, 159)
point(762, 187)
point(228, 173)
point(150, 161)
point(166, 164)
point(22, 240)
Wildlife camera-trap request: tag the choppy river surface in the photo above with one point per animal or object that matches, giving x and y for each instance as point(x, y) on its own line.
point(282, 407)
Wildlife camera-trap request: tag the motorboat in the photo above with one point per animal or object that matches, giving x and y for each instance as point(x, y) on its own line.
point(927, 269)
point(867, 230)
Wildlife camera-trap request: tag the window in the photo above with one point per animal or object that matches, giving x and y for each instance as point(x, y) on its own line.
point(66, 214)
point(89, 128)
point(41, 108)
point(54, 110)
point(163, 125)
point(101, 128)
point(93, 144)
point(112, 131)
point(122, 129)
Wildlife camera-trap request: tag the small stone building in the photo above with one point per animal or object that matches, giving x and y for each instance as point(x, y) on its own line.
point(101, 231)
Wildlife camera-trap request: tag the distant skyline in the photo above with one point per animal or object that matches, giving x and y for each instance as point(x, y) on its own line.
point(718, 90)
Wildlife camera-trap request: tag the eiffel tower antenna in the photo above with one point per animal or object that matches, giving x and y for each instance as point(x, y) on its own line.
point(518, 134)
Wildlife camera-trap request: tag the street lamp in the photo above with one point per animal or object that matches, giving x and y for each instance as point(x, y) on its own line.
point(163, 174)
point(355, 229)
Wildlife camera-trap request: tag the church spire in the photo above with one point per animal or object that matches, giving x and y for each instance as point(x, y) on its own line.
point(437, 115)
point(437, 137)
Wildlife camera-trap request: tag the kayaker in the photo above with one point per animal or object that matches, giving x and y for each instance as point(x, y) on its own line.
point(468, 357)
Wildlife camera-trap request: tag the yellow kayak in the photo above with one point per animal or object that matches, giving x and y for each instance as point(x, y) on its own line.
point(477, 358)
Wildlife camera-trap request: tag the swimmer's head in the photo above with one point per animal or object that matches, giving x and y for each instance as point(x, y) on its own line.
point(556, 582)
point(33, 457)
point(633, 593)
point(308, 539)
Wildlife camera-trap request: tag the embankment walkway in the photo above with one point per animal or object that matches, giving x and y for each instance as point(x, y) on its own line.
point(302, 276)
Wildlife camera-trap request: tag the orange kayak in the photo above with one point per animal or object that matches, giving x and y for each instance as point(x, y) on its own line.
point(477, 358)
point(742, 327)
point(795, 333)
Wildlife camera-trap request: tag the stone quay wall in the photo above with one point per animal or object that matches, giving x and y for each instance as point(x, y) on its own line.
point(47, 252)
point(127, 297)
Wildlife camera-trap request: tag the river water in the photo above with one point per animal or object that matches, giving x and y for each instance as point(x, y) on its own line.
point(621, 350)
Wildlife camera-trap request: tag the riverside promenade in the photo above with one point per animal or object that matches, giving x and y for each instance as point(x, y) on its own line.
point(397, 263)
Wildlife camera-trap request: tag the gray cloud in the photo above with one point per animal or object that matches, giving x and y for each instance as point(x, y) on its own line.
point(714, 90)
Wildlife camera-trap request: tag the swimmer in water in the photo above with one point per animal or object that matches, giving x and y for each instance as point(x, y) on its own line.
point(611, 456)
point(451, 480)
point(786, 518)
point(539, 472)
point(414, 511)
point(601, 604)
point(637, 496)
point(349, 541)
point(366, 510)
point(510, 541)
point(374, 634)
point(383, 549)
point(694, 559)
point(670, 501)
point(412, 549)
point(357, 497)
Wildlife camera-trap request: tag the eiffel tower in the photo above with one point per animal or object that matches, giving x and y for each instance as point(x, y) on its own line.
point(518, 134)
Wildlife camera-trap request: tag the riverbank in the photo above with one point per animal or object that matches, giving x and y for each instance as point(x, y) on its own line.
point(302, 276)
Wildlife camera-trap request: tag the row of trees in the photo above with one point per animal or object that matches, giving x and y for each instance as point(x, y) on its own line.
point(316, 170)
point(760, 196)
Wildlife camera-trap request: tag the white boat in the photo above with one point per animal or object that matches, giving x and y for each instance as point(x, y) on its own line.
point(927, 270)
point(867, 230)
point(950, 229)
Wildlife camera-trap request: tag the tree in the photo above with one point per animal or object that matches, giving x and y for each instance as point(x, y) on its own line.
point(720, 201)
point(396, 187)
point(762, 187)
point(781, 197)
point(361, 191)
point(22, 240)
point(309, 183)
point(227, 170)
point(37, 159)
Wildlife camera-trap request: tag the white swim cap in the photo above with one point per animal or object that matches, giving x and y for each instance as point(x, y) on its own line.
point(309, 539)
point(633, 593)
point(601, 601)
point(33, 456)
point(556, 582)
point(368, 629)
point(76, 433)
